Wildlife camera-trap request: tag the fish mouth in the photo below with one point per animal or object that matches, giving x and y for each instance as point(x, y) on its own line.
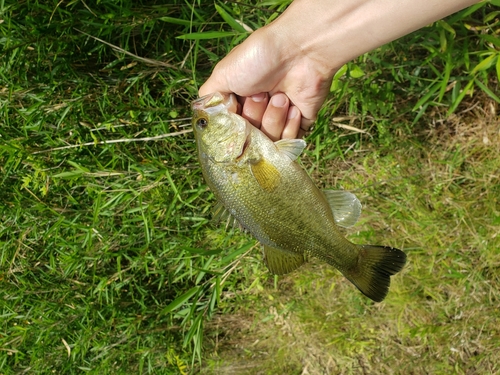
point(214, 101)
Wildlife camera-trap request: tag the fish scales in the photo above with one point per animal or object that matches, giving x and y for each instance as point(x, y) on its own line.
point(289, 224)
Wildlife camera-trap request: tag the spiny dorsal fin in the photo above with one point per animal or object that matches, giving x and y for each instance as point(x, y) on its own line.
point(345, 206)
point(266, 174)
point(291, 147)
point(280, 262)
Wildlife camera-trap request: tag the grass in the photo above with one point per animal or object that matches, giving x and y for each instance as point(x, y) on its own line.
point(109, 264)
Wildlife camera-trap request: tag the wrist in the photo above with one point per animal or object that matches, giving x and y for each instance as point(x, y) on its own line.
point(331, 33)
point(307, 30)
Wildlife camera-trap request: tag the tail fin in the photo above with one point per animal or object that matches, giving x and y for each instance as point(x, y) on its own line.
point(375, 266)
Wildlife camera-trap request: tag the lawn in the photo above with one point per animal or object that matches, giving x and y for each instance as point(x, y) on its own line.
point(109, 263)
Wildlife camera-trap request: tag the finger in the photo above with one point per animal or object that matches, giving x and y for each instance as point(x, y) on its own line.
point(233, 104)
point(216, 82)
point(292, 124)
point(274, 119)
point(207, 88)
point(254, 108)
point(305, 126)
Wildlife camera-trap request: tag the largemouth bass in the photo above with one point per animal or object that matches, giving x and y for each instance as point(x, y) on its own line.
point(260, 184)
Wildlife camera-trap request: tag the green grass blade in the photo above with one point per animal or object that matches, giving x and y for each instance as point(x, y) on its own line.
point(208, 35)
point(485, 63)
point(230, 20)
point(461, 96)
point(487, 90)
point(179, 301)
point(447, 73)
point(498, 69)
point(228, 258)
point(427, 96)
point(179, 21)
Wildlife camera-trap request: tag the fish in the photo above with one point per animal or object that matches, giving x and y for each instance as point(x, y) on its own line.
point(259, 184)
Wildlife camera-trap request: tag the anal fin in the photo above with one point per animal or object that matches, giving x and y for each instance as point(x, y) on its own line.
point(281, 262)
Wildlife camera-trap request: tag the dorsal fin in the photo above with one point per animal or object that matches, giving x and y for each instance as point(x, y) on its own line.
point(280, 262)
point(345, 206)
point(291, 147)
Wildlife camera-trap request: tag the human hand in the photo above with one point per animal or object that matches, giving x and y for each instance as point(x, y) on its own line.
point(293, 59)
point(279, 87)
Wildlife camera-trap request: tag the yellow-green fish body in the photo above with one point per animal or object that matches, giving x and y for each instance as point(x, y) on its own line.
point(269, 194)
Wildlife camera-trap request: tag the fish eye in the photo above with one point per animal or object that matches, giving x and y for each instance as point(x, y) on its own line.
point(202, 122)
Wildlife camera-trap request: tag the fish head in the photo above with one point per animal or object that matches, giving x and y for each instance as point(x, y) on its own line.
point(220, 133)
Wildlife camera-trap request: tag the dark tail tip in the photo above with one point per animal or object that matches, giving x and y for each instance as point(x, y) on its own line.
point(376, 265)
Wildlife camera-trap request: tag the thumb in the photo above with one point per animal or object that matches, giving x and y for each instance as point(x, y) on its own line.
point(212, 85)
point(218, 80)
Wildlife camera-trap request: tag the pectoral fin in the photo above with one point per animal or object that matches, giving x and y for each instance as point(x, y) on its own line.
point(345, 206)
point(280, 262)
point(291, 147)
point(221, 215)
point(266, 174)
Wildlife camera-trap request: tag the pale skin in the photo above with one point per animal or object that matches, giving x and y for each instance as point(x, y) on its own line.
point(283, 71)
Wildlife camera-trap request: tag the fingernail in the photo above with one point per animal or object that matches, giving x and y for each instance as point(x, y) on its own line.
point(259, 97)
point(278, 100)
point(292, 112)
